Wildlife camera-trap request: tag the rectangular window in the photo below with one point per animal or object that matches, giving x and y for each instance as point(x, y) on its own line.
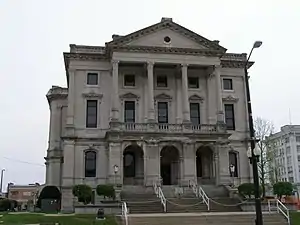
point(227, 84)
point(92, 78)
point(287, 140)
point(195, 113)
point(91, 113)
point(162, 81)
point(193, 82)
point(229, 116)
point(163, 112)
point(298, 138)
point(129, 80)
point(129, 114)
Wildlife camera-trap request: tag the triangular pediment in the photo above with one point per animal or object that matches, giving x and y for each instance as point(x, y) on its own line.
point(196, 98)
point(154, 36)
point(163, 96)
point(129, 96)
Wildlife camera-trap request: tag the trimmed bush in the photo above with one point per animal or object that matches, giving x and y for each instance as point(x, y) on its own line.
point(246, 190)
point(283, 188)
point(106, 191)
point(83, 193)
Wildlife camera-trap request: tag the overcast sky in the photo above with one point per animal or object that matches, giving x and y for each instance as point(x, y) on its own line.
point(34, 34)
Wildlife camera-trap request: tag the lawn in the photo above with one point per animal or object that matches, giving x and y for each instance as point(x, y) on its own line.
point(31, 218)
point(295, 218)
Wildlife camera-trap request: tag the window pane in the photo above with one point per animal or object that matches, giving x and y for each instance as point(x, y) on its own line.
point(229, 116)
point(195, 113)
point(162, 112)
point(91, 113)
point(129, 114)
point(193, 82)
point(162, 81)
point(227, 84)
point(129, 80)
point(92, 78)
point(90, 164)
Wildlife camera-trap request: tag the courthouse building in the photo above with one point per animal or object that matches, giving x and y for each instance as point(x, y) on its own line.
point(160, 104)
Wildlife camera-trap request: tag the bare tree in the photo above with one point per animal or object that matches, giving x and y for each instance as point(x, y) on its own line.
point(263, 128)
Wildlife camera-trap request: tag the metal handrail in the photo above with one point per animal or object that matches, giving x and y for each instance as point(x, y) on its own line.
point(279, 206)
point(200, 193)
point(159, 193)
point(125, 212)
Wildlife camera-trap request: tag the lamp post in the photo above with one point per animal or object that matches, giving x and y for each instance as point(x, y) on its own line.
point(253, 157)
point(116, 169)
point(1, 182)
point(232, 170)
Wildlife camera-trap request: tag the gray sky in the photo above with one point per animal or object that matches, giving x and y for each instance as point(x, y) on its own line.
point(35, 33)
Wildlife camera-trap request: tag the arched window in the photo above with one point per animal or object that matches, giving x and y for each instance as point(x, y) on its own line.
point(233, 160)
point(90, 164)
point(129, 164)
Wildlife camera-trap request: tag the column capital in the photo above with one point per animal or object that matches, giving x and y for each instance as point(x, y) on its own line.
point(217, 67)
point(115, 62)
point(184, 65)
point(150, 64)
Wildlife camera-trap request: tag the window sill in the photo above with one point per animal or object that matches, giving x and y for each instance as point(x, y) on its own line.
point(129, 87)
point(230, 91)
point(162, 88)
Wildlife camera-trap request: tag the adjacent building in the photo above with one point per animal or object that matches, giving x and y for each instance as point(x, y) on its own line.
point(161, 104)
point(286, 147)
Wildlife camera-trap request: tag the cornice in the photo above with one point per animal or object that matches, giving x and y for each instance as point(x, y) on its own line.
point(57, 92)
point(230, 98)
point(86, 49)
point(163, 50)
point(129, 95)
point(196, 98)
point(163, 96)
point(84, 56)
point(92, 95)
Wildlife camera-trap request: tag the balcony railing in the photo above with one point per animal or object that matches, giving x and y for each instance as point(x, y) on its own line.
point(171, 128)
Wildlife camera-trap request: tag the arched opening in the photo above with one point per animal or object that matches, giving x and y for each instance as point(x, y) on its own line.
point(233, 160)
point(133, 165)
point(49, 199)
point(205, 165)
point(169, 165)
point(90, 163)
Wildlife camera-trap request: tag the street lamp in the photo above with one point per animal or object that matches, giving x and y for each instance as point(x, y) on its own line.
point(116, 169)
point(232, 170)
point(1, 182)
point(253, 157)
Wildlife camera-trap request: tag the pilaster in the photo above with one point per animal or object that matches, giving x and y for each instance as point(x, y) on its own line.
point(151, 109)
point(189, 163)
point(115, 158)
point(151, 163)
point(220, 114)
point(223, 153)
point(68, 176)
point(185, 94)
point(71, 103)
point(115, 98)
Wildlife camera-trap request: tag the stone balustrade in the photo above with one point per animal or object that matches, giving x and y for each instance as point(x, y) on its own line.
point(171, 128)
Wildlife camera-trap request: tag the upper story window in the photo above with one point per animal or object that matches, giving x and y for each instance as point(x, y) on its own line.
point(193, 82)
point(162, 81)
point(162, 112)
point(229, 116)
point(90, 164)
point(129, 112)
point(91, 113)
point(195, 113)
point(129, 80)
point(227, 84)
point(92, 79)
point(287, 140)
point(298, 138)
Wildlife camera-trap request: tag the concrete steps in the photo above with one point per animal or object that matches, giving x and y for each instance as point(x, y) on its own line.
point(204, 219)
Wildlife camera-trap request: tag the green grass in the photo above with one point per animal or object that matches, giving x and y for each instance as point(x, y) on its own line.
point(31, 218)
point(295, 218)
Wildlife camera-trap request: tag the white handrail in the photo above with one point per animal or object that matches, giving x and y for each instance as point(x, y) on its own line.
point(200, 193)
point(159, 193)
point(285, 214)
point(125, 212)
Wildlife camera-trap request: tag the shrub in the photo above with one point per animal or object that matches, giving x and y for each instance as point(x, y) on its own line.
point(83, 193)
point(246, 189)
point(283, 188)
point(7, 204)
point(106, 191)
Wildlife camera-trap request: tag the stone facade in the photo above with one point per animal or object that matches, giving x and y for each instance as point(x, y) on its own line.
point(147, 150)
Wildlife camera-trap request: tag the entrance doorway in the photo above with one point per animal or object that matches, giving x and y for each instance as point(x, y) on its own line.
point(169, 165)
point(205, 165)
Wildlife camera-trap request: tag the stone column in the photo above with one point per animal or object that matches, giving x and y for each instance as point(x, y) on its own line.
point(152, 163)
point(115, 86)
point(185, 94)
point(115, 157)
point(189, 163)
point(220, 114)
point(54, 131)
point(224, 176)
point(151, 110)
point(216, 159)
point(146, 97)
point(178, 101)
point(71, 101)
